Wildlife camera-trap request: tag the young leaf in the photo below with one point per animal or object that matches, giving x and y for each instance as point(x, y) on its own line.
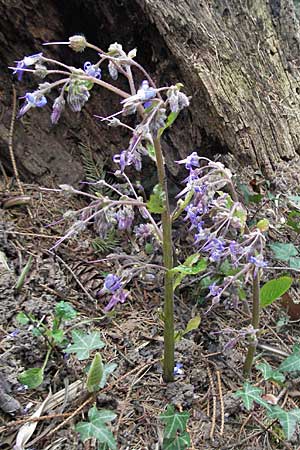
point(274, 289)
point(174, 421)
point(180, 442)
point(65, 311)
point(288, 419)
point(96, 427)
point(32, 378)
point(190, 270)
point(250, 394)
point(95, 374)
point(269, 374)
point(156, 203)
point(283, 251)
point(193, 324)
point(292, 362)
point(57, 335)
point(171, 118)
point(83, 344)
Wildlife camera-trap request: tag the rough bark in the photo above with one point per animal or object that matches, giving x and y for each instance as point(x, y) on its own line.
point(238, 59)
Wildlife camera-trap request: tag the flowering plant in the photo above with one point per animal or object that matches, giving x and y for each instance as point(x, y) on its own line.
point(213, 213)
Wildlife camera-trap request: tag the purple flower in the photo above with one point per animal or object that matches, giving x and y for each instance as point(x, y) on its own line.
point(257, 261)
point(112, 283)
point(26, 62)
point(214, 290)
point(190, 161)
point(143, 231)
point(178, 369)
point(118, 297)
point(215, 247)
point(14, 333)
point(33, 100)
point(92, 70)
point(58, 107)
point(125, 218)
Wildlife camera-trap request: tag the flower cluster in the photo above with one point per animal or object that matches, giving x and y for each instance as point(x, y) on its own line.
point(219, 223)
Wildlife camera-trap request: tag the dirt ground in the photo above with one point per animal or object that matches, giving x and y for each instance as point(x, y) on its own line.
point(133, 337)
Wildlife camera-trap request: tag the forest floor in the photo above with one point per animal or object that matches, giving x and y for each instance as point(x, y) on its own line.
point(209, 377)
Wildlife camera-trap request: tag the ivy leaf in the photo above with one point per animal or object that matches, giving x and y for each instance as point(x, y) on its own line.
point(95, 374)
point(96, 427)
point(250, 394)
point(292, 362)
point(179, 443)
point(65, 311)
point(156, 203)
point(83, 344)
point(283, 251)
point(32, 378)
point(174, 421)
point(274, 289)
point(269, 374)
point(287, 419)
point(294, 262)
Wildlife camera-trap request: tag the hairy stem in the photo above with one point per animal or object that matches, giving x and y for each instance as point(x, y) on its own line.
point(255, 323)
point(168, 371)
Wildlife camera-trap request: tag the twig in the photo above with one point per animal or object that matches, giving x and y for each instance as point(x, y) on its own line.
point(221, 401)
point(214, 408)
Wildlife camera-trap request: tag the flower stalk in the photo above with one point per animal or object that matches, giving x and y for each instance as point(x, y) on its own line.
point(255, 323)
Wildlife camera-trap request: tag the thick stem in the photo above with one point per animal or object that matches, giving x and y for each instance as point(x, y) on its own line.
point(255, 323)
point(169, 344)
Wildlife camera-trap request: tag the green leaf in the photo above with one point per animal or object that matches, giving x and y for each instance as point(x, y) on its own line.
point(151, 151)
point(250, 394)
point(156, 203)
point(294, 263)
point(57, 335)
point(22, 318)
point(170, 120)
point(174, 421)
point(83, 344)
point(283, 251)
point(96, 427)
point(287, 419)
point(292, 362)
point(190, 270)
point(274, 289)
point(294, 198)
point(32, 378)
point(95, 374)
point(193, 324)
point(293, 220)
point(269, 374)
point(263, 225)
point(65, 311)
point(178, 443)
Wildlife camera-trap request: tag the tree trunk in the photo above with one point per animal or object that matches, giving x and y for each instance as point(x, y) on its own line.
point(239, 59)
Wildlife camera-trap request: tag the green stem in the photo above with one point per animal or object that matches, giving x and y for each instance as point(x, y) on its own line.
point(255, 323)
point(169, 344)
point(47, 358)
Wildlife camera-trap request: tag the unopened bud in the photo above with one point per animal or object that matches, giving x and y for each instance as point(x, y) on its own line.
point(78, 43)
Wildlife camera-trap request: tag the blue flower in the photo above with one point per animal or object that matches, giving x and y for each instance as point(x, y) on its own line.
point(190, 161)
point(58, 107)
point(215, 247)
point(112, 283)
point(26, 62)
point(33, 100)
point(257, 261)
point(214, 290)
point(92, 70)
point(178, 369)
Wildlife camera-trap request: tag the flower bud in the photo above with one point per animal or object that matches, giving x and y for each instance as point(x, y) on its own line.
point(78, 43)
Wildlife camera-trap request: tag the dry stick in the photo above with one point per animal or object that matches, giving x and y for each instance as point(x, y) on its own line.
point(221, 401)
point(10, 145)
point(214, 409)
